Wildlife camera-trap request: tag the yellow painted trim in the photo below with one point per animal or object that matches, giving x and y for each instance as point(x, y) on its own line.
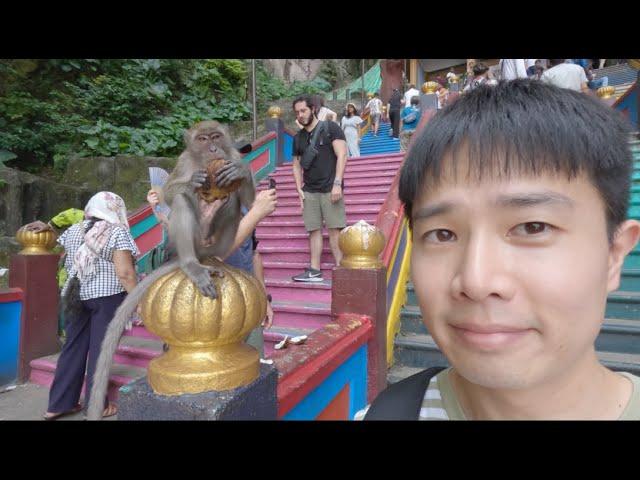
point(392, 262)
point(399, 296)
point(413, 71)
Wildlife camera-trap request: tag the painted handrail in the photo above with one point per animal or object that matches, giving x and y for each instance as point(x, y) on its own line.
point(311, 376)
point(628, 103)
point(397, 251)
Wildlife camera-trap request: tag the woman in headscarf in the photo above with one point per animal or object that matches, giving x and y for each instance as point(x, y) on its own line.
point(100, 259)
point(351, 125)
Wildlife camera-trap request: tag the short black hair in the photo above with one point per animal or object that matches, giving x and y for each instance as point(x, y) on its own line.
point(533, 127)
point(415, 100)
point(480, 68)
point(556, 61)
point(308, 99)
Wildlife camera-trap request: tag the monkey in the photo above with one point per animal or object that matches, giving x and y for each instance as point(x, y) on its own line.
point(206, 141)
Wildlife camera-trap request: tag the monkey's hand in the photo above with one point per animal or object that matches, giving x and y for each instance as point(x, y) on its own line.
point(201, 276)
point(198, 178)
point(230, 172)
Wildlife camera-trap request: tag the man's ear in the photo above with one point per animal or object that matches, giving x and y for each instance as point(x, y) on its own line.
point(624, 240)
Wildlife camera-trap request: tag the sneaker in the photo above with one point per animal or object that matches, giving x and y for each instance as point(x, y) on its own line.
point(309, 275)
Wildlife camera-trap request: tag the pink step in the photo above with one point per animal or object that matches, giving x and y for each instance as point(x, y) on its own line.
point(291, 240)
point(140, 332)
point(298, 222)
point(292, 254)
point(295, 211)
point(349, 177)
point(349, 201)
point(283, 289)
point(378, 159)
point(351, 169)
point(290, 191)
point(349, 183)
point(137, 351)
point(293, 314)
point(43, 370)
point(289, 269)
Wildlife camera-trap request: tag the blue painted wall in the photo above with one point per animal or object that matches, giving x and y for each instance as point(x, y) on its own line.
point(288, 148)
point(352, 372)
point(9, 340)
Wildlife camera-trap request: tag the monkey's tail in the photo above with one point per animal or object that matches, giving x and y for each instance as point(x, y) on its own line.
point(112, 338)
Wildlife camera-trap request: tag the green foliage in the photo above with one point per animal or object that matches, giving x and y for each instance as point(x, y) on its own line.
point(53, 109)
point(269, 88)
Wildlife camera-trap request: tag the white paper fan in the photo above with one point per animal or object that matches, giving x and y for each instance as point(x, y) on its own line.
point(158, 176)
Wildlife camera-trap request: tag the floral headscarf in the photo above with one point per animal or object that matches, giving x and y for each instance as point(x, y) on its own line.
point(111, 211)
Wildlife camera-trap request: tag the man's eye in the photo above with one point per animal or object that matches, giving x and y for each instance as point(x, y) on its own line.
point(440, 236)
point(532, 228)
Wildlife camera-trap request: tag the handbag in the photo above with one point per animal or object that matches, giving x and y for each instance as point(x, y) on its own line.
point(311, 152)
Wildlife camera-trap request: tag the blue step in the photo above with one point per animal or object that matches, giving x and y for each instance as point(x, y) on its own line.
point(630, 280)
point(420, 351)
point(383, 143)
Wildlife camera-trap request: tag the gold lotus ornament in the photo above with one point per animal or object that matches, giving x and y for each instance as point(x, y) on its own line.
point(205, 336)
point(274, 112)
point(605, 92)
point(33, 243)
point(430, 87)
point(361, 245)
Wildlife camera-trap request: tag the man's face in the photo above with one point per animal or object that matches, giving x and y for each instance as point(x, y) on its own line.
point(304, 114)
point(512, 275)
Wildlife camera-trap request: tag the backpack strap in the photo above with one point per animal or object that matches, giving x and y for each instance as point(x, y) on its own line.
point(402, 400)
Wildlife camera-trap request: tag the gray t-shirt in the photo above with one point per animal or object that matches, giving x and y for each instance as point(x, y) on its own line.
point(566, 75)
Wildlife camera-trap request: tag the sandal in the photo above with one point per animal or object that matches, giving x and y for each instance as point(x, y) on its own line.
point(48, 416)
point(110, 411)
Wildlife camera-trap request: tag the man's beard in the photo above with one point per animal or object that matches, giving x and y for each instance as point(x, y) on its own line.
point(308, 122)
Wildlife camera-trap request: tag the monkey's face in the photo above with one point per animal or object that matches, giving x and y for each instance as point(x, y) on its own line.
point(208, 141)
point(210, 145)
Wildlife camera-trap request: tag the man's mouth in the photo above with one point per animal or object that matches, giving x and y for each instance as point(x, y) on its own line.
point(489, 336)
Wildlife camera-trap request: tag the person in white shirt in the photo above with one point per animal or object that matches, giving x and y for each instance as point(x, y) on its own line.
point(566, 75)
point(375, 110)
point(450, 74)
point(412, 92)
point(512, 68)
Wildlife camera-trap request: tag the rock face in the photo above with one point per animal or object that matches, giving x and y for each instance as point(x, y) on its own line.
point(124, 175)
point(25, 197)
point(291, 70)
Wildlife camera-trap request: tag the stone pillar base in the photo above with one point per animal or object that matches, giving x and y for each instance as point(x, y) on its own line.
point(256, 401)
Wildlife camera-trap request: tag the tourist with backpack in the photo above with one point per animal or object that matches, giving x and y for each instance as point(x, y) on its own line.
point(410, 118)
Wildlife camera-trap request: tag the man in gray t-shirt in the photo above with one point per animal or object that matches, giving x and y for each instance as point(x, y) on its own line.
point(566, 75)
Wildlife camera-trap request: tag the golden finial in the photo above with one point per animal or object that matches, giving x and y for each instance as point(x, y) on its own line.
point(274, 112)
point(205, 336)
point(33, 243)
point(454, 79)
point(369, 95)
point(361, 245)
point(430, 87)
point(605, 92)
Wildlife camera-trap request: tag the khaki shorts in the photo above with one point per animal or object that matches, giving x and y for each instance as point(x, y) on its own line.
point(318, 207)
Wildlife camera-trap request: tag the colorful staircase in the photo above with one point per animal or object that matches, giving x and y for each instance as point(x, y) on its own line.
point(618, 344)
point(299, 308)
point(382, 143)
